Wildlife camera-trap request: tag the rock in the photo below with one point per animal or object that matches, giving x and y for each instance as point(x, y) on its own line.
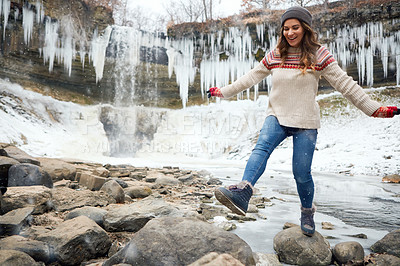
point(167, 181)
point(348, 253)
point(19, 197)
point(215, 259)
point(293, 247)
point(12, 222)
point(363, 236)
point(77, 240)
point(153, 175)
point(58, 169)
point(214, 181)
point(133, 217)
point(38, 250)
point(289, 225)
point(113, 189)
point(381, 260)
point(18, 154)
point(327, 226)
point(138, 191)
point(187, 179)
point(121, 182)
point(66, 199)
point(101, 171)
point(210, 211)
point(241, 218)
point(5, 164)
point(389, 244)
point(138, 175)
point(180, 241)
point(92, 182)
point(391, 179)
point(62, 183)
point(16, 258)
point(267, 259)
point(252, 208)
point(94, 213)
point(26, 174)
point(226, 226)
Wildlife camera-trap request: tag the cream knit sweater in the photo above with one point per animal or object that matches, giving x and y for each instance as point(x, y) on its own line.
point(292, 96)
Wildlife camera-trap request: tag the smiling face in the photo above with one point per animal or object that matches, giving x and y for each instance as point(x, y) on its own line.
point(293, 32)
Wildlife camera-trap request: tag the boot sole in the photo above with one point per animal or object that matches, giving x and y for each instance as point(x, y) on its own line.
point(310, 234)
point(221, 197)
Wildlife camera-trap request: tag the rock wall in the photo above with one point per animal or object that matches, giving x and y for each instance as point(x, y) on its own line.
point(24, 64)
point(149, 84)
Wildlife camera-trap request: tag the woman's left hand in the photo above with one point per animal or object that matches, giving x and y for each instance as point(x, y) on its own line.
point(385, 111)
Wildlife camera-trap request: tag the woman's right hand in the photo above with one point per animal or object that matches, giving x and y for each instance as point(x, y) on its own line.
point(385, 112)
point(214, 92)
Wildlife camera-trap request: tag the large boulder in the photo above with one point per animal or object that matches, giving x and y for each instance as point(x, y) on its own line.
point(39, 197)
point(94, 213)
point(389, 244)
point(293, 247)
point(67, 199)
point(77, 240)
point(375, 259)
point(16, 258)
point(180, 241)
point(17, 154)
point(26, 174)
point(138, 191)
point(38, 250)
point(133, 217)
point(58, 169)
point(14, 221)
point(348, 252)
point(113, 189)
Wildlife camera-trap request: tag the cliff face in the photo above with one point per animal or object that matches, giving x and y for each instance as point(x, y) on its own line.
point(142, 68)
point(21, 57)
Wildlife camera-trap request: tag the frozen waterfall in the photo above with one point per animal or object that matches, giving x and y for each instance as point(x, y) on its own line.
point(217, 58)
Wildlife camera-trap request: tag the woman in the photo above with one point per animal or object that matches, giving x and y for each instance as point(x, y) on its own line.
point(296, 65)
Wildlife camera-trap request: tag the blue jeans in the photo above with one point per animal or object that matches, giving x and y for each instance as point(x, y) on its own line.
point(304, 140)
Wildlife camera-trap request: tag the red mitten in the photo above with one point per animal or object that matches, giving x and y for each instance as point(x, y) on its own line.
point(385, 111)
point(214, 92)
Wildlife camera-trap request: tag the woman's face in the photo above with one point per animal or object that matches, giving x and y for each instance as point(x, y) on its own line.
point(293, 32)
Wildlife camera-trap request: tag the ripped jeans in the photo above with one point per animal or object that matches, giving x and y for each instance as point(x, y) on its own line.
point(304, 141)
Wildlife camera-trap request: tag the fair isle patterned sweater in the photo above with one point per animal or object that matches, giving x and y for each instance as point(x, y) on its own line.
point(292, 96)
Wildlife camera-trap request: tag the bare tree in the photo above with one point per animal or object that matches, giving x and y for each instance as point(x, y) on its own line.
point(303, 2)
point(180, 11)
point(257, 4)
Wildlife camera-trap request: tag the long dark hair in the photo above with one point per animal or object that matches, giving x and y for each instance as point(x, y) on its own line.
point(309, 46)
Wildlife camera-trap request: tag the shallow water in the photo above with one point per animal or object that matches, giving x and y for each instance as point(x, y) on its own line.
point(371, 210)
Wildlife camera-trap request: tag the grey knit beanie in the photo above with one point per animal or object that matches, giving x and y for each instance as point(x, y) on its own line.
point(297, 12)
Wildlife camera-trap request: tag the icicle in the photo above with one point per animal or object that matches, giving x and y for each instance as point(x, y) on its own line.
point(67, 51)
point(398, 66)
point(98, 53)
point(385, 56)
point(370, 66)
point(6, 13)
point(27, 23)
point(39, 12)
point(184, 69)
point(260, 32)
point(82, 53)
point(50, 43)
